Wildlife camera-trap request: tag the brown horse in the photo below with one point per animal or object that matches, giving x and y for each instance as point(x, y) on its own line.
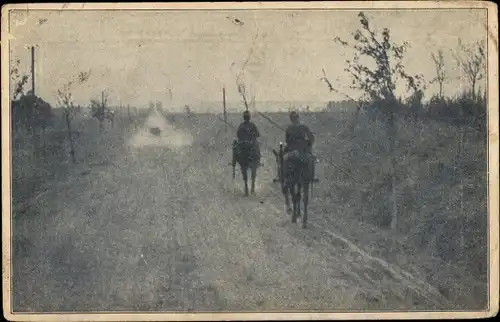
point(296, 174)
point(247, 156)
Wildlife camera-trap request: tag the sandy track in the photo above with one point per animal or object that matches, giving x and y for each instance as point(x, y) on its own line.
point(161, 228)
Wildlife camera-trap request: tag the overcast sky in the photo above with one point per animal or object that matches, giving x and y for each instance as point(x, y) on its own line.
point(139, 55)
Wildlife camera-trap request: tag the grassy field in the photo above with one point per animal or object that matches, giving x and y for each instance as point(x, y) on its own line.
point(353, 171)
point(92, 217)
point(34, 167)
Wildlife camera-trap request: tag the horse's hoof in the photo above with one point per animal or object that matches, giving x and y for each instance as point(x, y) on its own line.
point(294, 221)
point(304, 225)
point(289, 211)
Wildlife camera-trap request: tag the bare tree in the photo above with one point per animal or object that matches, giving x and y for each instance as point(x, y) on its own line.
point(378, 83)
point(99, 109)
point(441, 74)
point(242, 91)
point(65, 99)
point(104, 109)
point(471, 59)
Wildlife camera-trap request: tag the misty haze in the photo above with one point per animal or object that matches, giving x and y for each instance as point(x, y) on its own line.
point(128, 190)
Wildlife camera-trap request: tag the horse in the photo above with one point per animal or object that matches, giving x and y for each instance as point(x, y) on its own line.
point(296, 174)
point(246, 155)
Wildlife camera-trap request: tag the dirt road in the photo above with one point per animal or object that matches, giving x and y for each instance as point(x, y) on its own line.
point(161, 227)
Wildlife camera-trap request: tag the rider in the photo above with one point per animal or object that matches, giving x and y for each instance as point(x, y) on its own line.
point(298, 136)
point(300, 139)
point(247, 131)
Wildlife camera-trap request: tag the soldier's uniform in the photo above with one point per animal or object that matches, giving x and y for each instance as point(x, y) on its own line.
point(248, 133)
point(299, 140)
point(298, 137)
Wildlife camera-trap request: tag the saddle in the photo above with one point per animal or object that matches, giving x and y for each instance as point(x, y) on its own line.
point(304, 159)
point(239, 146)
point(245, 151)
point(303, 156)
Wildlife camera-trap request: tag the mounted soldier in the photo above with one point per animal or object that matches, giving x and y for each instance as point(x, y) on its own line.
point(248, 133)
point(246, 151)
point(297, 167)
point(298, 137)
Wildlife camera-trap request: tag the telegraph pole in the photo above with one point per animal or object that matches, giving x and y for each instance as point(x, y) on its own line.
point(224, 107)
point(33, 69)
point(33, 108)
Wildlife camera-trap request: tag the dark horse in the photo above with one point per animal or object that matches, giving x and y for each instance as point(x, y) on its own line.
point(296, 174)
point(246, 155)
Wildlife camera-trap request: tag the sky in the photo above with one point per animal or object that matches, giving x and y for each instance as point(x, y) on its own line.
point(139, 55)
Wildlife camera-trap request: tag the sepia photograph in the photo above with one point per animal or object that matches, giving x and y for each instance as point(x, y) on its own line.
point(248, 161)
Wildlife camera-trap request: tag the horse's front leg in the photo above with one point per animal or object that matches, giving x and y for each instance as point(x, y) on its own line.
point(306, 201)
point(244, 172)
point(254, 176)
point(287, 193)
point(295, 211)
point(297, 200)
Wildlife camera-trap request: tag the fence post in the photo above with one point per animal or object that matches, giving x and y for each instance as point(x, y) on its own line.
point(224, 107)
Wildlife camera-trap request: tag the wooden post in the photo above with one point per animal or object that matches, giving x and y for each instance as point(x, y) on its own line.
point(33, 108)
point(33, 69)
point(224, 106)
